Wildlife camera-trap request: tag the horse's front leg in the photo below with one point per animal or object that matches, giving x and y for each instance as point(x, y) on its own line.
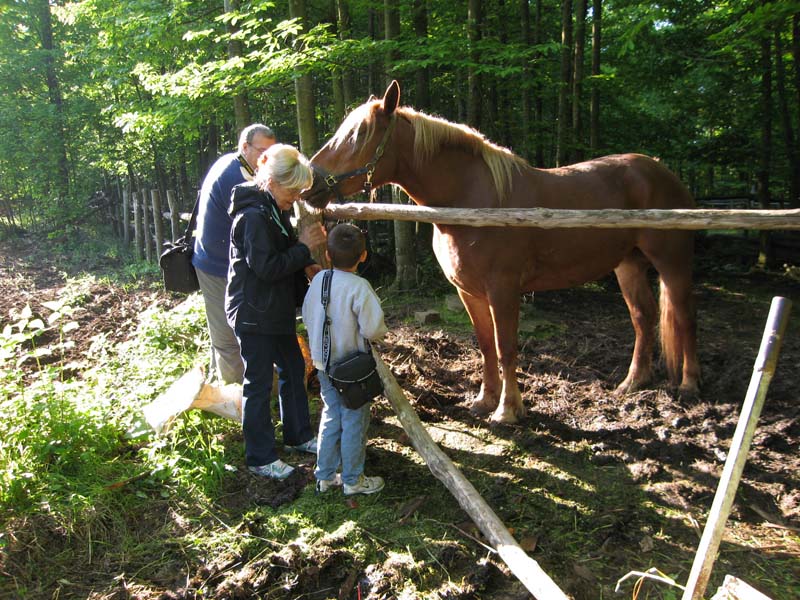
point(504, 306)
point(481, 317)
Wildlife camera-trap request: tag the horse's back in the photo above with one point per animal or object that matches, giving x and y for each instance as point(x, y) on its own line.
point(624, 181)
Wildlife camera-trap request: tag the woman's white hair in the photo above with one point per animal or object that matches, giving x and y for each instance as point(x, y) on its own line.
point(286, 166)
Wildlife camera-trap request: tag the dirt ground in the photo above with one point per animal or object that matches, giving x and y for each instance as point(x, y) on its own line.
point(671, 447)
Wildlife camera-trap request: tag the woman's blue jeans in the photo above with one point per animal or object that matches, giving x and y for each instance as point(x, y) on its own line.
point(259, 353)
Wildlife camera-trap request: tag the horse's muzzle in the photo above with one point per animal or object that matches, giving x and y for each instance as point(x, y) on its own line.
point(319, 194)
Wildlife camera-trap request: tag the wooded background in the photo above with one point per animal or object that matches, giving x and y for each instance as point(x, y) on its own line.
point(100, 96)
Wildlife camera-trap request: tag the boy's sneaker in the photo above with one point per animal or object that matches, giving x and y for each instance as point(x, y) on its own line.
point(323, 485)
point(310, 446)
point(274, 470)
point(364, 485)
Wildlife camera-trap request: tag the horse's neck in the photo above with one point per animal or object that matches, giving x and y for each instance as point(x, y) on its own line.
point(448, 178)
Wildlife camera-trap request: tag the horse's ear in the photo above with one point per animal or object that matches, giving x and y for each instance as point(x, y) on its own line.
point(391, 98)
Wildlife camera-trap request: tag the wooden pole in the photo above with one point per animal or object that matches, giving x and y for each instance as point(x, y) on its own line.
point(763, 371)
point(305, 218)
point(137, 225)
point(158, 221)
point(126, 217)
point(524, 568)
point(146, 237)
point(174, 215)
point(547, 218)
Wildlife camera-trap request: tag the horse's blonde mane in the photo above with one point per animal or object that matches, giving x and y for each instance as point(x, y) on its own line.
point(350, 128)
point(433, 133)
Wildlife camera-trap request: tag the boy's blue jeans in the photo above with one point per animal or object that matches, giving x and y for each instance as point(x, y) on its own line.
point(342, 438)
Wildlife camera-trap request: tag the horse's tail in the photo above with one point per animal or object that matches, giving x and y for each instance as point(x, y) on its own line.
point(671, 336)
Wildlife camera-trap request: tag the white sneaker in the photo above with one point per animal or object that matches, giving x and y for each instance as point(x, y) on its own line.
point(364, 485)
point(310, 446)
point(274, 470)
point(323, 485)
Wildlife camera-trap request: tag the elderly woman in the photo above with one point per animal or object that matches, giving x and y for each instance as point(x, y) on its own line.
point(267, 276)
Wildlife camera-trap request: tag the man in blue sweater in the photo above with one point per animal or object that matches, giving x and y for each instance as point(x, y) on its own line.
point(212, 241)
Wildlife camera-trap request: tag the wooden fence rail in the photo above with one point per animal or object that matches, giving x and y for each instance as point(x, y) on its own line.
point(547, 218)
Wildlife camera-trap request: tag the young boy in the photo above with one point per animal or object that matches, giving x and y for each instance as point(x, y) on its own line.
point(354, 313)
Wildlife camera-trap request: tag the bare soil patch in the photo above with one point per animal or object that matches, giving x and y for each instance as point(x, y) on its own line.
point(579, 448)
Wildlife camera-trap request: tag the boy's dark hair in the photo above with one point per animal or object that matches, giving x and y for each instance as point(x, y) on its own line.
point(345, 244)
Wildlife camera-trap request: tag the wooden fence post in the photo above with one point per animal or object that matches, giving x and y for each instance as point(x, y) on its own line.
point(137, 225)
point(763, 370)
point(174, 215)
point(148, 245)
point(158, 221)
point(126, 217)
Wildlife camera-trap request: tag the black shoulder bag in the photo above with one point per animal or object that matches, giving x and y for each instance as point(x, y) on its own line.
point(355, 378)
point(176, 259)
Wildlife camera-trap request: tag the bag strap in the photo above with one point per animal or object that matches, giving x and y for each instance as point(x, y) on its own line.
point(326, 332)
point(192, 220)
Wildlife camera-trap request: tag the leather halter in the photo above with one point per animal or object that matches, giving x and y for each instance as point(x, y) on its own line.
point(333, 181)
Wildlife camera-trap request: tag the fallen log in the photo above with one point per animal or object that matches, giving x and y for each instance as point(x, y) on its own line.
point(522, 566)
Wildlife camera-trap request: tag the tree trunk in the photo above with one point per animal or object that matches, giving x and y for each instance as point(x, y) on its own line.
point(577, 81)
point(766, 253)
point(525, 39)
point(404, 240)
point(786, 122)
point(423, 75)
point(563, 125)
point(373, 79)
point(422, 100)
point(307, 129)
point(304, 93)
point(404, 247)
point(344, 27)
point(594, 119)
point(474, 23)
point(538, 102)
point(55, 97)
point(241, 108)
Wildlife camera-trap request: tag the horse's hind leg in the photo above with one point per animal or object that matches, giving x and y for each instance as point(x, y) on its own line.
point(678, 325)
point(632, 276)
point(679, 329)
point(481, 317)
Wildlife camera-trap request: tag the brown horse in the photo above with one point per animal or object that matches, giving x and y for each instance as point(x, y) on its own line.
point(442, 164)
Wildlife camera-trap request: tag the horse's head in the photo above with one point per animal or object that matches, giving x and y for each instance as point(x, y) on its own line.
point(353, 159)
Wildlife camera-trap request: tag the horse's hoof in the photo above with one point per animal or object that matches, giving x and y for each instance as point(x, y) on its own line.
point(689, 390)
point(481, 408)
point(629, 386)
point(507, 417)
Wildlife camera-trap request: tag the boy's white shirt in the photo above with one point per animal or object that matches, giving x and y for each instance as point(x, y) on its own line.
point(354, 310)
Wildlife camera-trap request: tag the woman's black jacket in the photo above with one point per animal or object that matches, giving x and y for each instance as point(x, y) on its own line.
point(266, 281)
